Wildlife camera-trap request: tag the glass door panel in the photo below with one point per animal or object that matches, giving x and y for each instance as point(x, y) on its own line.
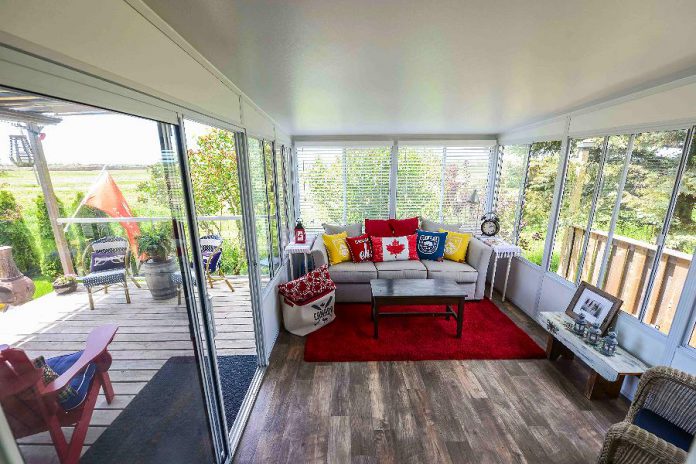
point(538, 196)
point(614, 162)
point(214, 172)
point(257, 174)
point(677, 254)
point(129, 246)
point(644, 203)
point(581, 178)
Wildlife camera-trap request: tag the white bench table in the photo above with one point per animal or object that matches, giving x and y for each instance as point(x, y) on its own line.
point(608, 372)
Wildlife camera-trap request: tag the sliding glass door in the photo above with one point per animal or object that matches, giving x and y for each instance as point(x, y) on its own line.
point(122, 237)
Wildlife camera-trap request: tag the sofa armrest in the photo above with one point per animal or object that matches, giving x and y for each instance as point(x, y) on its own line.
point(478, 256)
point(318, 252)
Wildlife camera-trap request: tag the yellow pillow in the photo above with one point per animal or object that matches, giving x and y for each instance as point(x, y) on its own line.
point(456, 245)
point(337, 248)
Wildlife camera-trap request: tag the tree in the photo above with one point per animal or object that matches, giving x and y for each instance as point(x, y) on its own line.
point(215, 181)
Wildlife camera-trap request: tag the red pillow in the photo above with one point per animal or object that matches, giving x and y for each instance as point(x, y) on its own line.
point(403, 227)
point(378, 228)
point(315, 283)
point(360, 248)
point(394, 248)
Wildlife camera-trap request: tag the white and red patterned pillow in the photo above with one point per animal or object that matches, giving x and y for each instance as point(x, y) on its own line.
point(394, 248)
point(313, 284)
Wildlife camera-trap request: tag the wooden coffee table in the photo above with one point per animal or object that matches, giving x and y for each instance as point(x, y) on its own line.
point(405, 292)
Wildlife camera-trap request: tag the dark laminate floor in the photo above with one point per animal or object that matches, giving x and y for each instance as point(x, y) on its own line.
point(429, 411)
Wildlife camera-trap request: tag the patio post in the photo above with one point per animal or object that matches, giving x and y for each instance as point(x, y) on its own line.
point(44, 177)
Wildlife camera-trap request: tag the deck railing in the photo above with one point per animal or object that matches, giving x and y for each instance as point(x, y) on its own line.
point(627, 272)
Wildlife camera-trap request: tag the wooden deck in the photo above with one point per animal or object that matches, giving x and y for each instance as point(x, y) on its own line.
point(150, 332)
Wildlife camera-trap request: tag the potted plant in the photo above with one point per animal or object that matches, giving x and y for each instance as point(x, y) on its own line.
point(155, 246)
point(65, 284)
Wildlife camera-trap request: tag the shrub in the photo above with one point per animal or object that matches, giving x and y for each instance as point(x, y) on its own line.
point(15, 233)
point(50, 260)
point(155, 242)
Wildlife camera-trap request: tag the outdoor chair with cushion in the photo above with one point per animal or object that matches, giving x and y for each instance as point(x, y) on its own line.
point(211, 251)
point(660, 424)
point(45, 395)
point(108, 265)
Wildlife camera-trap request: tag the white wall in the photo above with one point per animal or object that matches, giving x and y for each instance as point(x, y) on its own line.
point(667, 106)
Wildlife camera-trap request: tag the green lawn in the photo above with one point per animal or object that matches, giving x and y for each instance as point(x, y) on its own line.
point(66, 184)
point(43, 286)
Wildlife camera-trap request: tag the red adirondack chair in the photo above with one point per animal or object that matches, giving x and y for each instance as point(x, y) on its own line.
point(32, 407)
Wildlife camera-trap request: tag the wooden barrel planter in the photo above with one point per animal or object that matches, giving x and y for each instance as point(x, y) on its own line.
point(158, 276)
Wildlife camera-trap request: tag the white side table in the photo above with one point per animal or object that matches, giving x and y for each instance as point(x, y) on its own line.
point(501, 249)
point(304, 249)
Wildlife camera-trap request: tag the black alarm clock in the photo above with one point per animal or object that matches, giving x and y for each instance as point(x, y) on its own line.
point(490, 224)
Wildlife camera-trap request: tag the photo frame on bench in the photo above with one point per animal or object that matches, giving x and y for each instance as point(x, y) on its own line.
point(596, 304)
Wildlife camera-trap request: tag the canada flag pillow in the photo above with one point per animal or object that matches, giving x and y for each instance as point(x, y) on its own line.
point(360, 248)
point(394, 248)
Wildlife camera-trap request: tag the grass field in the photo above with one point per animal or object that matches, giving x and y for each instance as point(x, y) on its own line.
point(67, 184)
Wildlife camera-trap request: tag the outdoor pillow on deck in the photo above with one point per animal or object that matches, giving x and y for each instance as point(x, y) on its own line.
point(431, 245)
point(75, 392)
point(107, 261)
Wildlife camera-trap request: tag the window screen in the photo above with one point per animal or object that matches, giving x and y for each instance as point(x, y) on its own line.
point(444, 183)
point(342, 185)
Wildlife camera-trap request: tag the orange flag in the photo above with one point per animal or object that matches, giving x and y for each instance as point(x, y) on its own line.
point(106, 196)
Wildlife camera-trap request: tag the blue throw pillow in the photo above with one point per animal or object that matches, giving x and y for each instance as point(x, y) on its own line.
point(431, 245)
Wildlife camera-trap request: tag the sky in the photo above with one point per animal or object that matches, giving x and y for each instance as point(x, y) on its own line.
point(102, 139)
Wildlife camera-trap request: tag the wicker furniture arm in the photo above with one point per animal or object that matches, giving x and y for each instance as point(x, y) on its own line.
point(668, 392)
point(628, 443)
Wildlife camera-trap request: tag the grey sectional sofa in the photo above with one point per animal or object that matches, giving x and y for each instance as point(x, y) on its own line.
point(353, 279)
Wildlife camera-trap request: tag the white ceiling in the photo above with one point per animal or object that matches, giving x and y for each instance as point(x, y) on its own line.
point(417, 66)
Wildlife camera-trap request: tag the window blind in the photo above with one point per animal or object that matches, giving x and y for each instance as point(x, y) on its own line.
point(444, 183)
point(342, 184)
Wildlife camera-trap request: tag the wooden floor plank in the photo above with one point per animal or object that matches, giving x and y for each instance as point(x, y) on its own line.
point(478, 411)
point(150, 332)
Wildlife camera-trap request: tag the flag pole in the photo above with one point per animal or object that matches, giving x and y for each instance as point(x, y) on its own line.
point(84, 199)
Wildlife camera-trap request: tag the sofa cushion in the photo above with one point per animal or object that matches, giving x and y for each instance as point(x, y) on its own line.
point(431, 245)
point(360, 248)
point(336, 247)
point(350, 272)
point(450, 270)
point(378, 228)
point(353, 230)
point(394, 248)
point(432, 226)
point(662, 428)
point(403, 227)
point(456, 245)
point(412, 269)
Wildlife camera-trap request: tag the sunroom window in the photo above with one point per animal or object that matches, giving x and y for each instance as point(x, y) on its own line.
point(343, 184)
point(538, 198)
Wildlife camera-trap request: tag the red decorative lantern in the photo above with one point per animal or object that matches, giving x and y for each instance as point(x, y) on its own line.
point(300, 235)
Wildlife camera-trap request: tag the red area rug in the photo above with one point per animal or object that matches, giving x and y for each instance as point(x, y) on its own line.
point(488, 334)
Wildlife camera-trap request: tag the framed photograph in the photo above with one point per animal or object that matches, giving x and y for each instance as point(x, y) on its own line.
point(596, 304)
